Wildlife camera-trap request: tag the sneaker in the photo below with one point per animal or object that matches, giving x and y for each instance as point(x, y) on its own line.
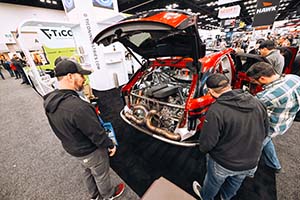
point(119, 189)
point(277, 171)
point(97, 198)
point(197, 187)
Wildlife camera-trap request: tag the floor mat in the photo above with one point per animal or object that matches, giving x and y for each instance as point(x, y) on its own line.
point(141, 159)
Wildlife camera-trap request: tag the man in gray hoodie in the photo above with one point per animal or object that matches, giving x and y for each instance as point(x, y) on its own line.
point(267, 49)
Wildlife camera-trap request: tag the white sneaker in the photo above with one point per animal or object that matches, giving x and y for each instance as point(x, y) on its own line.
point(197, 187)
point(97, 198)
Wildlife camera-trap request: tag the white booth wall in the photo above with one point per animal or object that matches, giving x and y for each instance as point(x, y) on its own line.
point(108, 63)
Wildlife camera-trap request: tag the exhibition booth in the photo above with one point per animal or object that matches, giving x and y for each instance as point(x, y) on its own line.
point(74, 40)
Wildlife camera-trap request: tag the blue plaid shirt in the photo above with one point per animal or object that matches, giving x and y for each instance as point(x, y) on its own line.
point(282, 99)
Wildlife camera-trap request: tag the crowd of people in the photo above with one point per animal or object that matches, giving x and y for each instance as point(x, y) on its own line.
point(239, 127)
point(14, 67)
point(243, 44)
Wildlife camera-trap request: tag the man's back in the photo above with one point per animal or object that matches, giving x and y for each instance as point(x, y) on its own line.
point(276, 60)
point(234, 129)
point(282, 97)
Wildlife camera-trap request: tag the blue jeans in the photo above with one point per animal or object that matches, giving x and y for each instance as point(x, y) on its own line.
point(221, 179)
point(96, 173)
point(269, 154)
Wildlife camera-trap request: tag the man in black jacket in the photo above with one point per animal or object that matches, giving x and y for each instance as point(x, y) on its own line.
point(232, 135)
point(75, 123)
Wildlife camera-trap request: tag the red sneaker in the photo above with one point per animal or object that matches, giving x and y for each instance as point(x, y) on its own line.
point(119, 189)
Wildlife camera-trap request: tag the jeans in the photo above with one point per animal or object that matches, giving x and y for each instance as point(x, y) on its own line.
point(96, 173)
point(221, 179)
point(269, 154)
point(11, 73)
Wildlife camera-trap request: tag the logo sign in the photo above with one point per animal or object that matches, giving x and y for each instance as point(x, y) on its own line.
point(229, 12)
point(103, 3)
point(8, 38)
point(56, 37)
point(265, 12)
point(68, 5)
point(222, 2)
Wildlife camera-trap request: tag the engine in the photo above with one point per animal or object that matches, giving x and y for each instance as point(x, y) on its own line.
point(158, 100)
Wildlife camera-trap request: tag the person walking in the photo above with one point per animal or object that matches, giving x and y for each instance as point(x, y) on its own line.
point(233, 132)
point(6, 66)
point(267, 49)
point(14, 69)
point(281, 96)
point(75, 123)
point(19, 67)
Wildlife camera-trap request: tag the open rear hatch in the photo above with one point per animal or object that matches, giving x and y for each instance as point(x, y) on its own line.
point(157, 33)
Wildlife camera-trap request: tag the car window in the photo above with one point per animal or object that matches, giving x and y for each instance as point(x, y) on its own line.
point(139, 38)
point(226, 68)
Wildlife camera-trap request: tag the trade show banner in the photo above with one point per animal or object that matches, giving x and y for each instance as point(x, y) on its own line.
point(265, 12)
point(50, 54)
point(56, 37)
point(55, 42)
point(229, 12)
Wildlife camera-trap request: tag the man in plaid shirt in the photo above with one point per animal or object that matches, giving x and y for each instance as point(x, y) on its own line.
point(281, 96)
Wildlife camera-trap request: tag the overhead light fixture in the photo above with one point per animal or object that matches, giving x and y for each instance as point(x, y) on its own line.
point(42, 1)
point(54, 2)
point(48, 1)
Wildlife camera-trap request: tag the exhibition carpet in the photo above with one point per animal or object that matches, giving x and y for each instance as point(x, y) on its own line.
point(141, 159)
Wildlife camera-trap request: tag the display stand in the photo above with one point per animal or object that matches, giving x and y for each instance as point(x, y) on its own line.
point(40, 81)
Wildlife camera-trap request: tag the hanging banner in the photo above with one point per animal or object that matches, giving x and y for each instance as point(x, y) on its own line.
point(55, 42)
point(229, 12)
point(265, 12)
point(222, 2)
point(56, 37)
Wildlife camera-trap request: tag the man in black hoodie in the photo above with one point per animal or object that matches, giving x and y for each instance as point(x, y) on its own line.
point(75, 123)
point(232, 135)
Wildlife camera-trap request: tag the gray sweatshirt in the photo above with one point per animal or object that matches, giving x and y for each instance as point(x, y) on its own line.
point(276, 60)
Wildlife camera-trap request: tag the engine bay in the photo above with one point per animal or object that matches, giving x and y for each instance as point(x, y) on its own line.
point(158, 100)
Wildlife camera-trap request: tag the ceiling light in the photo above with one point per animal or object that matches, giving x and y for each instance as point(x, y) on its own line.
point(54, 2)
point(48, 1)
point(42, 1)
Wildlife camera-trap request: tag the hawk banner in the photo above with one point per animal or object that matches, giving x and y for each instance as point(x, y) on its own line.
point(265, 12)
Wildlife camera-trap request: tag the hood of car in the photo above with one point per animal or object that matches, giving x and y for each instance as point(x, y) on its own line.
point(157, 33)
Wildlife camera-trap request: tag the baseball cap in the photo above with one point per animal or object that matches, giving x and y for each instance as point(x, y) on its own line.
point(58, 59)
point(217, 81)
point(67, 66)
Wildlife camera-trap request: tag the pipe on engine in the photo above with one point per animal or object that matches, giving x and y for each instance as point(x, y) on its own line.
point(134, 118)
point(165, 133)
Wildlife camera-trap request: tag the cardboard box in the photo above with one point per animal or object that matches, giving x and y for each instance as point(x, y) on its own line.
point(162, 189)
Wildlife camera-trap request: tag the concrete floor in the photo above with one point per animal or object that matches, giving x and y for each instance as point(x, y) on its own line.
point(33, 165)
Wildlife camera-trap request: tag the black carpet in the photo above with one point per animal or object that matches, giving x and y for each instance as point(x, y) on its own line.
point(141, 159)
